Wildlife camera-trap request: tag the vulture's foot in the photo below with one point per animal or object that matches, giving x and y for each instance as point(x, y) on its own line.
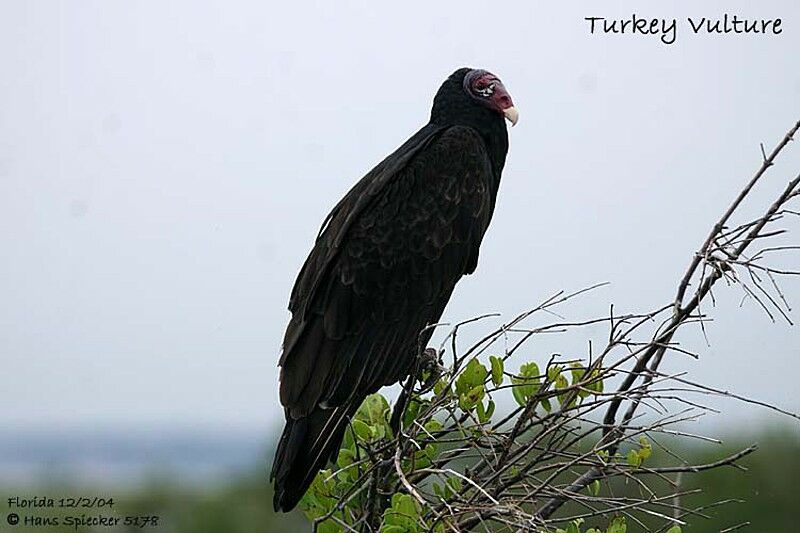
point(429, 362)
point(427, 367)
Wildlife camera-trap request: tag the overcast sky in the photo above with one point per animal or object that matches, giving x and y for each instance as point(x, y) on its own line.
point(164, 168)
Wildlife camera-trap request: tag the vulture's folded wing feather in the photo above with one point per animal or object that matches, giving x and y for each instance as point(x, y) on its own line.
point(383, 268)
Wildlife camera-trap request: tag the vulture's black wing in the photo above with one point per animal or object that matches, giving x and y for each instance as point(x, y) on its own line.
point(383, 267)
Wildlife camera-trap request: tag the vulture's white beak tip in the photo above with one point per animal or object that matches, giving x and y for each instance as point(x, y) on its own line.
point(511, 114)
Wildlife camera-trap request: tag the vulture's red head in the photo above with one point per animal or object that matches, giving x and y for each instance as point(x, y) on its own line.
point(488, 90)
point(473, 96)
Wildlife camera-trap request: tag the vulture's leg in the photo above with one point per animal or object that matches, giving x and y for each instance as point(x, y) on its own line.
point(428, 360)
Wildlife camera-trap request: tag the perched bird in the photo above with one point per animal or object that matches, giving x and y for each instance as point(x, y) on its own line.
point(383, 267)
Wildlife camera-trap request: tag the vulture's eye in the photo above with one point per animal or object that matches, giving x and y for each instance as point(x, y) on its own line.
point(485, 90)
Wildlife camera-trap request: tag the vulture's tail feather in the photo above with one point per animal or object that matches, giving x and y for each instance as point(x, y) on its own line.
point(306, 445)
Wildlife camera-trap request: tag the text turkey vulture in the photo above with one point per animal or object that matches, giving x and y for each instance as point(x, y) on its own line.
point(383, 268)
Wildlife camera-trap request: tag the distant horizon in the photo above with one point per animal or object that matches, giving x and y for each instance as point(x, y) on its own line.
point(130, 458)
point(120, 458)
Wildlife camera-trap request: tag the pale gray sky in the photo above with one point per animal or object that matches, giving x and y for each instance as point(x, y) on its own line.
point(164, 168)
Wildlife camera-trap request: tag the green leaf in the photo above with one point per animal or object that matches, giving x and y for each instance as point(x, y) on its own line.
point(468, 401)
point(378, 431)
point(530, 370)
point(497, 370)
point(617, 525)
point(674, 529)
point(596, 384)
point(405, 505)
point(572, 527)
point(373, 409)
point(553, 372)
point(645, 448)
point(519, 393)
point(403, 514)
point(329, 526)
point(346, 457)
point(578, 371)
point(362, 430)
point(473, 375)
point(489, 410)
point(481, 412)
point(452, 486)
point(561, 383)
point(545, 402)
point(431, 450)
point(633, 458)
point(349, 439)
point(374, 413)
point(485, 413)
point(346, 478)
point(320, 497)
point(594, 487)
point(411, 412)
point(432, 426)
point(526, 384)
point(440, 386)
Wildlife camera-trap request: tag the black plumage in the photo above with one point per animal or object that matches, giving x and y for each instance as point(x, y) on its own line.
point(383, 267)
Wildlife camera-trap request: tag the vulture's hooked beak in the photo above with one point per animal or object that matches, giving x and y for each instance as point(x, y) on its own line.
point(511, 114)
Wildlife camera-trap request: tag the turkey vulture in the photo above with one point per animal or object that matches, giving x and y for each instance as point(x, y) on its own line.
point(383, 267)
